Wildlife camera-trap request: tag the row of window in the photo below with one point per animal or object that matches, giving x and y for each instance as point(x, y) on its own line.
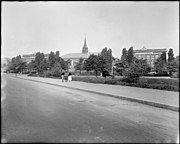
point(145, 56)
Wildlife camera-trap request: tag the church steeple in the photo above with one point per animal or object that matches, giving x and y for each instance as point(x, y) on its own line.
point(85, 48)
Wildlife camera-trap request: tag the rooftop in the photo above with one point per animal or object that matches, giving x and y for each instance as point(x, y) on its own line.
point(32, 55)
point(78, 55)
point(144, 50)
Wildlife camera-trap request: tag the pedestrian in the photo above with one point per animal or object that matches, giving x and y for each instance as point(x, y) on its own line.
point(66, 76)
point(69, 77)
point(62, 76)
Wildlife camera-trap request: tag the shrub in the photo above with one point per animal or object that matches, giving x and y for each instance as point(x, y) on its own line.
point(175, 75)
point(111, 81)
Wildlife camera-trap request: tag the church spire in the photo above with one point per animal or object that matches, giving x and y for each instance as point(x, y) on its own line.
point(85, 45)
point(85, 48)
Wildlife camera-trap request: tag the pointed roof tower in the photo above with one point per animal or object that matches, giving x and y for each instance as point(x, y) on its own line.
point(85, 48)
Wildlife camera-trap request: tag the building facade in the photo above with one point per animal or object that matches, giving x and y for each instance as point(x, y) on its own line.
point(29, 57)
point(150, 55)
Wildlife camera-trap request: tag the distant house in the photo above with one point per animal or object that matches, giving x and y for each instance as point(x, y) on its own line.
point(74, 57)
point(150, 55)
point(29, 57)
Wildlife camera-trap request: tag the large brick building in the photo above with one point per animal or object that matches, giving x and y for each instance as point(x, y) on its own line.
point(150, 55)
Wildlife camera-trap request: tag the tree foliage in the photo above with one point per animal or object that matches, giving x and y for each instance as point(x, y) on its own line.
point(160, 65)
point(124, 54)
point(130, 55)
point(96, 63)
point(163, 57)
point(108, 58)
point(135, 69)
point(170, 55)
point(80, 65)
point(17, 65)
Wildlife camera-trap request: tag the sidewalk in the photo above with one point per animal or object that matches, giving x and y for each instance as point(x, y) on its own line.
point(158, 98)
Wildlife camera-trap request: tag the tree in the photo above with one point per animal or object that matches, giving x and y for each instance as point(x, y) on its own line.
point(163, 56)
point(80, 65)
point(160, 65)
point(132, 73)
point(39, 58)
point(172, 67)
point(43, 65)
point(101, 63)
point(90, 63)
point(56, 70)
point(130, 55)
point(107, 56)
point(124, 54)
point(144, 67)
point(17, 65)
point(52, 59)
point(57, 54)
point(31, 66)
point(137, 68)
point(21, 66)
point(170, 55)
point(64, 64)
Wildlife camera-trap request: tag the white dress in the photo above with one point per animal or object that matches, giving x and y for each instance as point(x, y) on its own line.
point(69, 78)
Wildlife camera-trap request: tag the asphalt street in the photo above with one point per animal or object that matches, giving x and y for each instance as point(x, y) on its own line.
point(37, 112)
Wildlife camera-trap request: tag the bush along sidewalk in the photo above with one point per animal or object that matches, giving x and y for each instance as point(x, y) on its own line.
point(152, 83)
point(161, 84)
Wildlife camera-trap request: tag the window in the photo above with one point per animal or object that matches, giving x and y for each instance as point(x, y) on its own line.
point(157, 56)
point(143, 56)
point(152, 57)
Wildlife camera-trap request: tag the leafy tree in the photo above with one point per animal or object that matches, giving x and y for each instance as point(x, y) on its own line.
point(31, 66)
point(130, 55)
point(163, 56)
point(135, 69)
point(52, 59)
point(170, 55)
point(57, 54)
point(64, 64)
point(124, 54)
point(172, 67)
point(21, 66)
point(80, 65)
point(17, 65)
point(160, 65)
point(132, 73)
point(44, 65)
point(96, 63)
point(107, 56)
point(144, 67)
point(90, 63)
point(39, 58)
point(101, 63)
point(56, 70)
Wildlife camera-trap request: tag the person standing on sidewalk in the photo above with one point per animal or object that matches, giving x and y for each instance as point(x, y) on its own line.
point(69, 77)
point(62, 76)
point(66, 76)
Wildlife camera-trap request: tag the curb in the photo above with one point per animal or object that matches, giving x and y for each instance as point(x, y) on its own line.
point(159, 105)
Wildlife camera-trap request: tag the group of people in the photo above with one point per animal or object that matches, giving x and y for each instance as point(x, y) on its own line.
point(66, 77)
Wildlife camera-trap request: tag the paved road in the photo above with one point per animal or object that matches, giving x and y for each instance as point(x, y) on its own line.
point(37, 112)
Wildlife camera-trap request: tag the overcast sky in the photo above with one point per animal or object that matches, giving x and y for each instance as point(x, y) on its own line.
point(29, 27)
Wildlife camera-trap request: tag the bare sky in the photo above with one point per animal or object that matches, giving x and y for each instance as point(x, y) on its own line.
point(29, 27)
